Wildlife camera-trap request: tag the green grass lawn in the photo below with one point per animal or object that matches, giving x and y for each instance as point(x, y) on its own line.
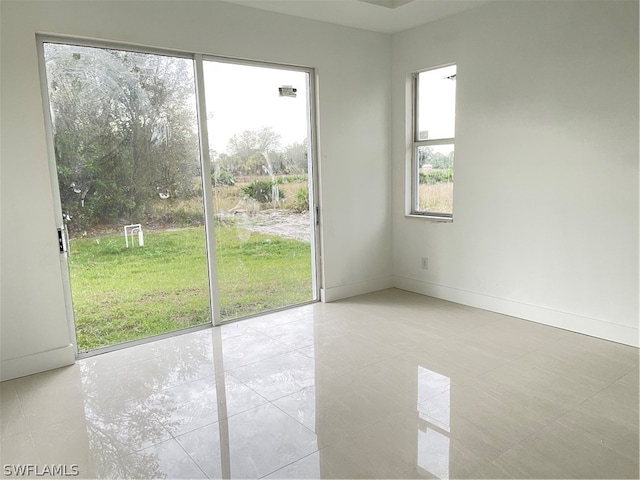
point(122, 294)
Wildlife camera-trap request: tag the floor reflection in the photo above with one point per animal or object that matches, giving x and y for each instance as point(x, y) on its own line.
point(335, 391)
point(182, 412)
point(435, 422)
point(185, 415)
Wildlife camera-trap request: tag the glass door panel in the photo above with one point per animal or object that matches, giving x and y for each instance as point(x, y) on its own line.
point(259, 129)
point(125, 135)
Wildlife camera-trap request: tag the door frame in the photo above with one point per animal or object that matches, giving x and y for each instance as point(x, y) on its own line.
point(205, 168)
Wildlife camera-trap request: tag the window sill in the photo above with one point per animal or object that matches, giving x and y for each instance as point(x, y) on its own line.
point(430, 218)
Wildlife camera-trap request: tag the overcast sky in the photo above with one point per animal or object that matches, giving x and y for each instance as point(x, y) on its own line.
point(437, 103)
point(241, 97)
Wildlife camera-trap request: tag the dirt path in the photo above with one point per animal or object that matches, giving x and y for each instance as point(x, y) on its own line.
point(282, 224)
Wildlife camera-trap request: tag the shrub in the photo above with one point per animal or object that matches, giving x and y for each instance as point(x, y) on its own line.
point(301, 201)
point(262, 191)
point(436, 176)
point(223, 177)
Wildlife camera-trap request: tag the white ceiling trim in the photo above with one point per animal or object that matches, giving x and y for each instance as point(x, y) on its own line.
point(388, 3)
point(384, 16)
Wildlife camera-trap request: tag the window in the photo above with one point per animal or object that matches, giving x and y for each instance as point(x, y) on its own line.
point(434, 96)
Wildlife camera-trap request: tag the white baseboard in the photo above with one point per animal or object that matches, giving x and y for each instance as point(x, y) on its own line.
point(37, 362)
point(332, 294)
point(568, 321)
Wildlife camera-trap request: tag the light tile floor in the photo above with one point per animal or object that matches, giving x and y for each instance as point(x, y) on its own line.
point(386, 385)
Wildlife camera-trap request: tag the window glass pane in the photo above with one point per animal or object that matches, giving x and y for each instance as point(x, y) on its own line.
point(436, 103)
point(260, 176)
point(435, 184)
point(127, 160)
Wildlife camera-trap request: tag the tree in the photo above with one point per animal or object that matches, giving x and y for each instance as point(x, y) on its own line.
point(427, 156)
point(295, 158)
point(247, 145)
point(124, 131)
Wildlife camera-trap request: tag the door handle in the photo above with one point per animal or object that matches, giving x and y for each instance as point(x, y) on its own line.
point(63, 240)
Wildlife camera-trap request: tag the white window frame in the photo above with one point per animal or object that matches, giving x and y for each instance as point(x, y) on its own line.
point(414, 209)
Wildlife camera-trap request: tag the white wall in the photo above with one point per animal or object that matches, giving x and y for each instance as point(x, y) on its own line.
point(354, 113)
point(546, 195)
point(546, 176)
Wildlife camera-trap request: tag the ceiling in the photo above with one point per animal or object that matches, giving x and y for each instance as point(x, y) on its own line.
point(384, 16)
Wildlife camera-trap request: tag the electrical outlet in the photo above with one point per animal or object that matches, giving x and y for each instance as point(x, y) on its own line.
point(425, 262)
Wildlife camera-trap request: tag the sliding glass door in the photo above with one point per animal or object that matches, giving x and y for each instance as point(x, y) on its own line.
point(125, 137)
point(259, 130)
point(136, 233)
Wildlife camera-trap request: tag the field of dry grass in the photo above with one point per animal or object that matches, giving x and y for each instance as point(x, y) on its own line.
point(437, 197)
